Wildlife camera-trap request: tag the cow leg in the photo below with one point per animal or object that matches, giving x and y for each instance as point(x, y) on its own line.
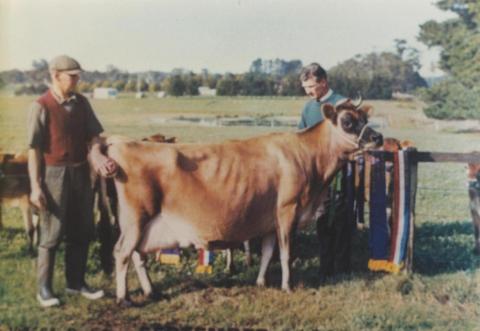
point(139, 263)
point(1, 220)
point(248, 255)
point(229, 267)
point(286, 219)
point(126, 244)
point(268, 246)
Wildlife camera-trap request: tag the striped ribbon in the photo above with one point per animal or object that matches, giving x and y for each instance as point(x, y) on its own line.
point(205, 261)
point(388, 249)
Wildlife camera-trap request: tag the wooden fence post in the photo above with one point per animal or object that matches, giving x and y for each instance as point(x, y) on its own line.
point(413, 195)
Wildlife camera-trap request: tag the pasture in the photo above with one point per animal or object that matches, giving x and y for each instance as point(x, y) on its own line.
point(442, 294)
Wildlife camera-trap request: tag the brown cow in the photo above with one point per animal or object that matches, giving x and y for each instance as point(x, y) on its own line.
point(212, 195)
point(15, 192)
point(473, 174)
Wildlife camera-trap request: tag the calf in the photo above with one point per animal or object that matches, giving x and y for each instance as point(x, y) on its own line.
point(213, 195)
point(15, 192)
point(473, 174)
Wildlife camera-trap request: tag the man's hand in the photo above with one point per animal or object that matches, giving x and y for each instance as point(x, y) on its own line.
point(37, 198)
point(103, 165)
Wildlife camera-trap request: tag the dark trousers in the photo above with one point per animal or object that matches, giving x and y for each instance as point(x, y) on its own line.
point(69, 214)
point(335, 237)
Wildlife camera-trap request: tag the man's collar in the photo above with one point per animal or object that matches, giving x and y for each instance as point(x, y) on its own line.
point(326, 96)
point(59, 98)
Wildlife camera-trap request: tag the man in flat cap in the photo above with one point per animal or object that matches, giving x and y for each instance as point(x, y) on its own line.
point(61, 126)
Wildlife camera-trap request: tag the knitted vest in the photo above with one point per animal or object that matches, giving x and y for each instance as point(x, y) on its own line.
point(66, 140)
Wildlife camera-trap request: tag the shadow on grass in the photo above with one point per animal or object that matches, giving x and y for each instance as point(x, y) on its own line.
point(444, 248)
point(14, 244)
point(9, 234)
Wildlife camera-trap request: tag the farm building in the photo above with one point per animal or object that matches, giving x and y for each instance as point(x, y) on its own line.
point(105, 93)
point(206, 91)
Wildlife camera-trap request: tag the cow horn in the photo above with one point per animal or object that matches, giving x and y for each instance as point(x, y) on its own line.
point(358, 101)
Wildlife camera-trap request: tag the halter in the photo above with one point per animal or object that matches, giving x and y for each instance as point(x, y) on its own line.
point(353, 141)
point(361, 133)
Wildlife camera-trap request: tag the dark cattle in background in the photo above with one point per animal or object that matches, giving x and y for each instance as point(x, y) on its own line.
point(15, 192)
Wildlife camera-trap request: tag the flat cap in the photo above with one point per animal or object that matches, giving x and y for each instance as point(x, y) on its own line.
point(65, 63)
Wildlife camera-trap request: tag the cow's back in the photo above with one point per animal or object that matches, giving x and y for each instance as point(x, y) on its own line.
point(227, 191)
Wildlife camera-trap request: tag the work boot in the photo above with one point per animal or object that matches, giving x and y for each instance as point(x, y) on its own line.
point(45, 264)
point(86, 292)
point(75, 268)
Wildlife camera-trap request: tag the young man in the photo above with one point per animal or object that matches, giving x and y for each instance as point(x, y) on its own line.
point(333, 228)
point(61, 125)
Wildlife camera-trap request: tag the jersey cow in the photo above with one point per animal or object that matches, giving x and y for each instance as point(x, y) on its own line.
point(213, 195)
point(15, 191)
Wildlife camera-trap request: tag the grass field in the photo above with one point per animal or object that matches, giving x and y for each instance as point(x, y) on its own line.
point(442, 294)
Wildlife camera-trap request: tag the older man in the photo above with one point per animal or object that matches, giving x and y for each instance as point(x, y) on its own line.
point(333, 226)
point(61, 125)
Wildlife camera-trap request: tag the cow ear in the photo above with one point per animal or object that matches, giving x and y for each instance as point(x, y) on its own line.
point(329, 112)
point(367, 109)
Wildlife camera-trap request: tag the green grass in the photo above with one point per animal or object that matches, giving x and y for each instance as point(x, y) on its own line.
point(442, 294)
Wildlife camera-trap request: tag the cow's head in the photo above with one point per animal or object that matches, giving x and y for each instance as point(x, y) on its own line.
point(350, 122)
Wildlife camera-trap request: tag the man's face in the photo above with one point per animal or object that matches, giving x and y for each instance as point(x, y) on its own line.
point(66, 82)
point(315, 89)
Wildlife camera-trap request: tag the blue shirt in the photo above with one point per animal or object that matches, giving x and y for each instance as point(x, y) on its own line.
point(312, 113)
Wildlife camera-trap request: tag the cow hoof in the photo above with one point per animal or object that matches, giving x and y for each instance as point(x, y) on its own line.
point(286, 289)
point(261, 282)
point(124, 303)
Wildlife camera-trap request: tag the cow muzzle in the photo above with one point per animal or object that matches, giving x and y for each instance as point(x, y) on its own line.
point(369, 138)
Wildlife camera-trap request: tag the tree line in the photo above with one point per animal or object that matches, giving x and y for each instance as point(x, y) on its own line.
point(374, 76)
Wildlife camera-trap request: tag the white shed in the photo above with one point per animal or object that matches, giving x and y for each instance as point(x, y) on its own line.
point(105, 93)
point(205, 91)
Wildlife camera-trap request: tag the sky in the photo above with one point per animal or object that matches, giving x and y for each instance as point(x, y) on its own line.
point(219, 35)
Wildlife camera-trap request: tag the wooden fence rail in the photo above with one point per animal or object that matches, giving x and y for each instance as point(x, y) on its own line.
point(415, 158)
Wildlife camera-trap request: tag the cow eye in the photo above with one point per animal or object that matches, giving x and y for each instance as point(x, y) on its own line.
point(347, 123)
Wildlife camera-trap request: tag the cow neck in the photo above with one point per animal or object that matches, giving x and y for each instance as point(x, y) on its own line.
point(323, 151)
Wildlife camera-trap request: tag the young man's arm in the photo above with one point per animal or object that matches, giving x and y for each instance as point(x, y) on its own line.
point(37, 197)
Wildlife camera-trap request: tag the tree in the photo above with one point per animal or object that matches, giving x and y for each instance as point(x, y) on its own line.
point(290, 85)
point(257, 84)
point(377, 75)
point(131, 86)
point(83, 87)
point(153, 87)
point(459, 42)
point(228, 85)
point(174, 85)
point(106, 83)
point(192, 83)
point(119, 85)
